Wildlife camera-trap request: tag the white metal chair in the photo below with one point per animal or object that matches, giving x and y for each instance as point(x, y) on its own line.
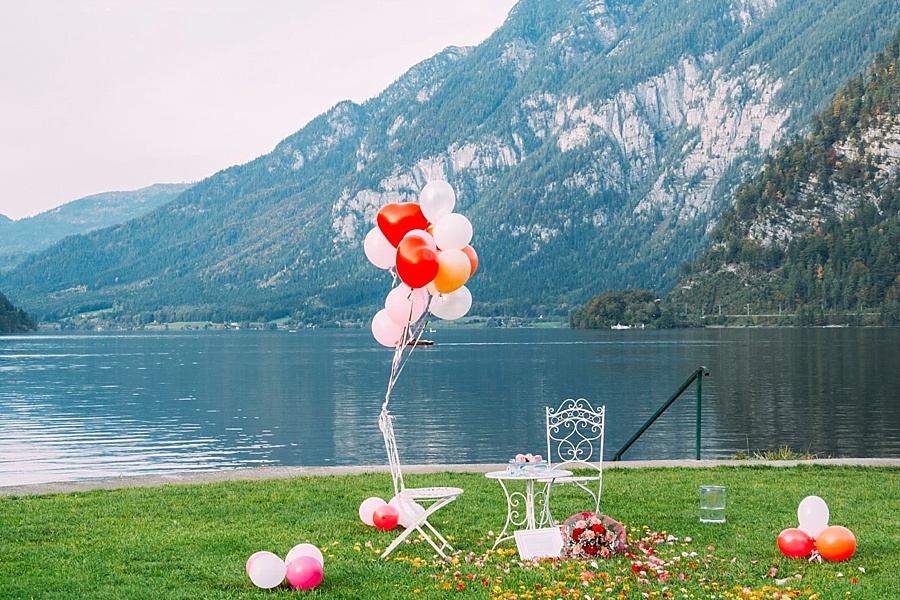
point(575, 441)
point(432, 498)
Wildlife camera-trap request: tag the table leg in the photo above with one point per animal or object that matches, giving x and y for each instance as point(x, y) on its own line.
point(514, 514)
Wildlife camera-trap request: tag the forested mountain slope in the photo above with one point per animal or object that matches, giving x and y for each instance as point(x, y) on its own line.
point(25, 236)
point(593, 144)
point(815, 238)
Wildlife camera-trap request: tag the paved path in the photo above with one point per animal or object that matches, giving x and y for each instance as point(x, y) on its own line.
point(262, 473)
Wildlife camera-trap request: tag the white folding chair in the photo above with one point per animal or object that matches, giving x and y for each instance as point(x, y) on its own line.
point(432, 498)
point(575, 441)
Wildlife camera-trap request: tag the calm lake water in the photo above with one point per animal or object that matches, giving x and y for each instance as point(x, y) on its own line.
point(76, 406)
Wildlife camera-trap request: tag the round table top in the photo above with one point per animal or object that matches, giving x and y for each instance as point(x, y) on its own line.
point(524, 474)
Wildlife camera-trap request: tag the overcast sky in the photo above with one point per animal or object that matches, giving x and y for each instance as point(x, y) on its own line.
point(108, 95)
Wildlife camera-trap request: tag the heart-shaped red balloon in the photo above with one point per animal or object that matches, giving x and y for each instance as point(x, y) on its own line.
point(396, 219)
point(417, 262)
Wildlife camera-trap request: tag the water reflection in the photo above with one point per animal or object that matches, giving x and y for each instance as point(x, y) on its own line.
point(76, 406)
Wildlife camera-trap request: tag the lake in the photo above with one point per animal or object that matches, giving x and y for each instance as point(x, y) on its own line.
point(76, 406)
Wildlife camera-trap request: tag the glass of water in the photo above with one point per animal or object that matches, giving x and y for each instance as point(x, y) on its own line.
point(712, 504)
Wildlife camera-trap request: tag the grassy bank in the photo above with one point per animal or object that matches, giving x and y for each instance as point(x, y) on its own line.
point(192, 541)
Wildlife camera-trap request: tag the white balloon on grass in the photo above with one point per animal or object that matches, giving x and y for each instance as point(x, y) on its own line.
point(813, 515)
point(453, 232)
point(437, 200)
point(405, 305)
point(379, 250)
point(266, 569)
point(453, 305)
point(304, 550)
point(410, 511)
point(386, 331)
point(367, 510)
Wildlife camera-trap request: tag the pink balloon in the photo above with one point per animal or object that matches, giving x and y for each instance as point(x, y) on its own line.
point(386, 331)
point(367, 510)
point(405, 305)
point(304, 573)
point(379, 250)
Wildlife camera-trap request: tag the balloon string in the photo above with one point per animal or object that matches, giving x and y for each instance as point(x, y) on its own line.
point(409, 339)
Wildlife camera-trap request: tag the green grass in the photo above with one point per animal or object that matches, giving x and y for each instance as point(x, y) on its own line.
point(192, 541)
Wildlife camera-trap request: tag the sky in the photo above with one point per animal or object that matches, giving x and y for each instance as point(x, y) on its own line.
point(111, 95)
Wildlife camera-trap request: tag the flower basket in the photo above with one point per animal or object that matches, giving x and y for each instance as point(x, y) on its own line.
point(589, 535)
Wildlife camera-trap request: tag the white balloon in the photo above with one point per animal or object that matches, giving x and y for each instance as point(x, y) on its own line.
point(266, 570)
point(453, 305)
point(367, 510)
point(386, 331)
point(453, 232)
point(405, 305)
point(304, 550)
point(437, 200)
point(410, 511)
point(813, 515)
point(379, 250)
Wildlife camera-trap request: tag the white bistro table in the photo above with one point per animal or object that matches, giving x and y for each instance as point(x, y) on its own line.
point(520, 505)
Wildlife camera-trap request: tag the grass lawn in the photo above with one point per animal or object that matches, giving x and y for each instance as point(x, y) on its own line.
point(192, 541)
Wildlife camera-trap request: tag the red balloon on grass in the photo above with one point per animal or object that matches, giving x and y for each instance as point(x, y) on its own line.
point(836, 543)
point(386, 517)
point(795, 543)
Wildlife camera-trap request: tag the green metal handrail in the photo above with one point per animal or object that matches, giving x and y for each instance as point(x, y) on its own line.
point(695, 376)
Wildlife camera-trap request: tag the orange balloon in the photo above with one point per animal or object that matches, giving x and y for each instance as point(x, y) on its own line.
point(453, 270)
point(473, 258)
point(836, 543)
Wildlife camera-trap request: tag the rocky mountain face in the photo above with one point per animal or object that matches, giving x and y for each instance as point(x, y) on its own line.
point(25, 236)
point(592, 143)
point(815, 237)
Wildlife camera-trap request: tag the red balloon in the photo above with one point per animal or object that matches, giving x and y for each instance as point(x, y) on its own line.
point(417, 263)
point(473, 258)
point(386, 517)
point(836, 543)
point(397, 219)
point(795, 542)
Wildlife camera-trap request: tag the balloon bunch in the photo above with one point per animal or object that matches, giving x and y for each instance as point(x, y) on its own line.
point(303, 567)
point(426, 245)
point(814, 536)
point(375, 512)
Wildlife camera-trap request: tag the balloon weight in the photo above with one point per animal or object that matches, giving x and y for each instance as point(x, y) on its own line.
point(795, 543)
point(836, 543)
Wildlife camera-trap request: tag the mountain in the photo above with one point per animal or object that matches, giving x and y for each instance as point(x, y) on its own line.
point(815, 238)
point(593, 144)
point(25, 236)
point(13, 320)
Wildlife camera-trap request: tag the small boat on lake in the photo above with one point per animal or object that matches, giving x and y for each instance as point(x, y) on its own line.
point(420, 343)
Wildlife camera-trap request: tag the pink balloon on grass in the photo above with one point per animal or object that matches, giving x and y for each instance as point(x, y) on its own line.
point(265, 569)
point(304, 573)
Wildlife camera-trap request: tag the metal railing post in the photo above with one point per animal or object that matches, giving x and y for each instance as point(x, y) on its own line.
point(696, 375)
